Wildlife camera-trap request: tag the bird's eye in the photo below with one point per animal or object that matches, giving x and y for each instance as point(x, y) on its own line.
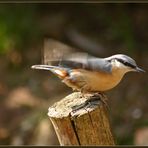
point(126, 63)
point(109, 60)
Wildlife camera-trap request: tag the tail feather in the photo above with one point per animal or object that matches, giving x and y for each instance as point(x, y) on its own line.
point(59, 71)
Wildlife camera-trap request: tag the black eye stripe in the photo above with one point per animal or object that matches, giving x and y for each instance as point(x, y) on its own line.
point(126, 63)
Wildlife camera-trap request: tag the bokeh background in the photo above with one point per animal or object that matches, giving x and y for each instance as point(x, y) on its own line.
point(99, 29)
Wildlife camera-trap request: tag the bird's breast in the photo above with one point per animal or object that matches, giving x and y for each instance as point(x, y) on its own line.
point(95, 81)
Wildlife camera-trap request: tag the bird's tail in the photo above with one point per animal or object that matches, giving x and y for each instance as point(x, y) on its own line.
point(59, 71)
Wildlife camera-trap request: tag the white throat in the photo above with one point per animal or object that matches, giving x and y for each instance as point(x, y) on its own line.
point(119, 67)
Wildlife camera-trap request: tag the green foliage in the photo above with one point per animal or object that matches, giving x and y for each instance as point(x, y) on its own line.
point(18, 25)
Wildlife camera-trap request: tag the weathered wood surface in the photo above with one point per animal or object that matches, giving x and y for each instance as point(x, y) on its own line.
point(88, 125)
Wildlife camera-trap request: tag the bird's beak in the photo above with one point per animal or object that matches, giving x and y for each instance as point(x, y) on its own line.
point(139, 70)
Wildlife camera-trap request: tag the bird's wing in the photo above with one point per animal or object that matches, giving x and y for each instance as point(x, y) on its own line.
point(98, 64)
point(58, 54)
point(54, 50)
point(83, 61)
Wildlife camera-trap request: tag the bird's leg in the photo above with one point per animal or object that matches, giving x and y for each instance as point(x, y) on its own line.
point(93, 100)
point(94, 97)
point(84, 94)
point(74, 89)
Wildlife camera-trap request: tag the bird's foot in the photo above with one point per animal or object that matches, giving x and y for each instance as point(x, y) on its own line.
point(101, 96)
point(94, 99)
point(78, 107)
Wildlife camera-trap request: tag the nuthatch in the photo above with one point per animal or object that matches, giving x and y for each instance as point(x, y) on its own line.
point(91, 74)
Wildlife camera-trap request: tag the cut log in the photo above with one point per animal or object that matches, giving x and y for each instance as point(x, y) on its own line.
point(78, 121)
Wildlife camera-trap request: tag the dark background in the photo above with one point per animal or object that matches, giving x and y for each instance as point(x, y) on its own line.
point(99, 29)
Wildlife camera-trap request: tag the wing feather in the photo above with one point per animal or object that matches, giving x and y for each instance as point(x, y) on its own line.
point(84, 61)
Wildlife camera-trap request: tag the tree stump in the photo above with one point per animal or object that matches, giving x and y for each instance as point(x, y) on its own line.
point(81, 122)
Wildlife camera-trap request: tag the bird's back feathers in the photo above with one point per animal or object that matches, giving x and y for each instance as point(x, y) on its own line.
point(83, 61)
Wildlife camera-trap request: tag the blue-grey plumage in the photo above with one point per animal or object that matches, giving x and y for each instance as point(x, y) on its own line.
point(91, 74)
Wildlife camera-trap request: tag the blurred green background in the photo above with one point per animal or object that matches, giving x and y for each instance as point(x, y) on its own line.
point(99, 29)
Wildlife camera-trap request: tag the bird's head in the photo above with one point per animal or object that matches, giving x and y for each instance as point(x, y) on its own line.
point(124, 63)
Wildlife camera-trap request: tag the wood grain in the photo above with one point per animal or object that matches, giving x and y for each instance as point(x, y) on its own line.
point(81, 122)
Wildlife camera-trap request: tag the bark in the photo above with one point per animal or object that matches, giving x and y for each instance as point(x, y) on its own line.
point(80, 122)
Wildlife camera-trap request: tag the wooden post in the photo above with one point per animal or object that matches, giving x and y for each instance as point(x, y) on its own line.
point(85, 125)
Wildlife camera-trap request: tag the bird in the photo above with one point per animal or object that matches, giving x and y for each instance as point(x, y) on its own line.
point(89, 74)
